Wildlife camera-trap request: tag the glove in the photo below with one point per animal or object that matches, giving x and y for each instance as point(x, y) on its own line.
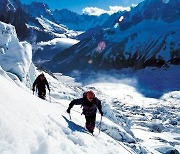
point(33, 90)
point(101, 113)
point(68, 110)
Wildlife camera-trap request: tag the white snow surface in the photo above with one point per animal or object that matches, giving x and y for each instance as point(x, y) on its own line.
point(58, 30)
point(31, 125)
point(131, 123)
point(51, 26)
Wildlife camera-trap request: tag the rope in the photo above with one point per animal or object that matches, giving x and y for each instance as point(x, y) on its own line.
point(66, 107)
point(124, 147)
point(49, 97)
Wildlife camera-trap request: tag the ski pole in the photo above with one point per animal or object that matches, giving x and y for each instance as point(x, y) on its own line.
point(100, 125)
point(49, 97)
point(70, 116)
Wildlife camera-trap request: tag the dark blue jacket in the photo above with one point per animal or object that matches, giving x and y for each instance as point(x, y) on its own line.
point(89, 108)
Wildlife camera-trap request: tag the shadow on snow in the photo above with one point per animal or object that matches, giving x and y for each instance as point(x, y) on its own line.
point(74, 127)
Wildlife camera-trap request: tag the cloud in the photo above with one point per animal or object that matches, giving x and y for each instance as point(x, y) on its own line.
point(97, 11)
point(114, 9)
point(93, 11)
point(134, 5)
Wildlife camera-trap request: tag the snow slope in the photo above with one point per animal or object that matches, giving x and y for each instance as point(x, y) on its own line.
point(131, 123)
point(31, 125)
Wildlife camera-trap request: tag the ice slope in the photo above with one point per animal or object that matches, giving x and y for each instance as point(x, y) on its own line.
point(15, 56)
point(31, 125)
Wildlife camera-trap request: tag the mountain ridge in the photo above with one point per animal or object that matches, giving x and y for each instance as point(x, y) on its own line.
point(134, 43)
point(145, 36)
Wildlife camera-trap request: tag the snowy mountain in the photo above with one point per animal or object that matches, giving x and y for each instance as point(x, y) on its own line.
point(78, 22)
point(65, 17)
point(148, 35)
point(36, 23)
point(31, 24)
point(46, 47)
point(152, 10)
point(38, 9)
point(12, 12)
point(132, 123)
point(144, 36)
point(35, 26)
point(9, 5)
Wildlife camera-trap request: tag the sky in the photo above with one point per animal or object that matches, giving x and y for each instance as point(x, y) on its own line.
point(79, 5)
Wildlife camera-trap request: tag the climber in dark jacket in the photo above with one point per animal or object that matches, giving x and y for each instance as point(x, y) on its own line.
point(40, 83)
point(90, 103)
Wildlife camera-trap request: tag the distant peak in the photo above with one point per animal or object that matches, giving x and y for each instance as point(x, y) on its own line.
point(40, 4)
